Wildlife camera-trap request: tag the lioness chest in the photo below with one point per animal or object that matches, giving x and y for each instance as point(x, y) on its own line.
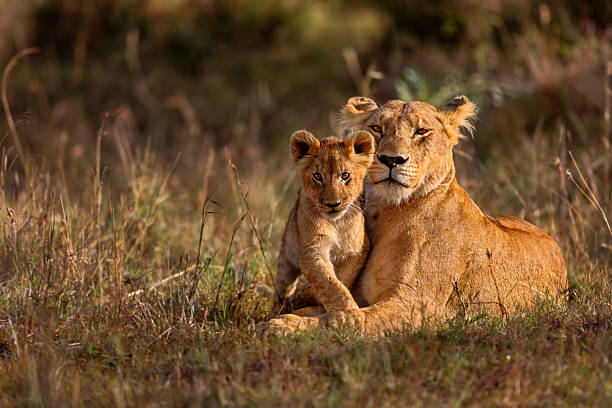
point(390, 245)
point(403, 244)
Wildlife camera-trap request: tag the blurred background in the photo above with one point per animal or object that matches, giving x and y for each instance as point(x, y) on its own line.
point(173, 90)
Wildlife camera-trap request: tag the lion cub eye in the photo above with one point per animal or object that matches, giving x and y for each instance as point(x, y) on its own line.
point(376, 128)
point(345, 176)
point(421, 131)
point(317, 176)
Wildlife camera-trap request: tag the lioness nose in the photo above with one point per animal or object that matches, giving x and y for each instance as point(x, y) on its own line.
point(332, 205)
point(391, 161)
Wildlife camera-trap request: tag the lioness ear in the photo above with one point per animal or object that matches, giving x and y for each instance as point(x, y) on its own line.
point(459, 113)
point(360, 144)
point(303, 143)
point(356, 113)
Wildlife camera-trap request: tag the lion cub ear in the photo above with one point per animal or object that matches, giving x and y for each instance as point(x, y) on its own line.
point(360, 147)
point(356, 113)
point(303, 144)
point(458, 113)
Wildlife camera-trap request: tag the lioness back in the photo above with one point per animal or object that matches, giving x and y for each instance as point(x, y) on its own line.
point(325, 236)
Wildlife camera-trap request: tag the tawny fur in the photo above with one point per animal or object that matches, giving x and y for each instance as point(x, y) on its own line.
point(328, 245)
point(434, 253)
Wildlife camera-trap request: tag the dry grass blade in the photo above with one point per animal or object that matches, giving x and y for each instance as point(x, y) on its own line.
point(590, 196)
point(162, 282)
point(7, 109)
point(565, 198)
point(228, 257)
point(252, 222)
point(362, 82)
point(15, 339)
point(198, 269)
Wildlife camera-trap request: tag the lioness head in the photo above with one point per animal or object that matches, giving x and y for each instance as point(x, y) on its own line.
point(332, 170)
point(414, 143)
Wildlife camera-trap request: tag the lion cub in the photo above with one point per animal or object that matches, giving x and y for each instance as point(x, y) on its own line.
point(325, 237)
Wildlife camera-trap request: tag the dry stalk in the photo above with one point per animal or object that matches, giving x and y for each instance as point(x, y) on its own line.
point(252, 222)
point(607, 60)
point(590, 196)
point(228, 257)
point(161, 282)
point(362, 82)
point(7, 109)
point(570, 210)
point(15, 338)
point(198, 270)
point(560, 163)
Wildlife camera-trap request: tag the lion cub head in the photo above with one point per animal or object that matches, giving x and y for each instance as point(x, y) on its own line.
point(414, 143)
point(332, 170)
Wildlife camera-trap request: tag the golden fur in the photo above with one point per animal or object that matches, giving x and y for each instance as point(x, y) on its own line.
point(325, 236)
point(434, 253)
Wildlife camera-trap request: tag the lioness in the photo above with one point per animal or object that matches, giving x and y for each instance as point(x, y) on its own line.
point(434, 253)
point(325, 236)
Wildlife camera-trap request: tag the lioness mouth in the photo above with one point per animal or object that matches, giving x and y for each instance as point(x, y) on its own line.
point(391, 179)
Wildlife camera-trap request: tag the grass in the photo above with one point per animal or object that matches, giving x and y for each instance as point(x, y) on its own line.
point(136, 250)
point(117, 301)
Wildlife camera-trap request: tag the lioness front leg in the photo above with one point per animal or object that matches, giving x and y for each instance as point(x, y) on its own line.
point(328, 289)
point(391, 314)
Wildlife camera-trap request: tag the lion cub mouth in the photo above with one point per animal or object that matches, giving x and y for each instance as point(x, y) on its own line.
point(334, 214)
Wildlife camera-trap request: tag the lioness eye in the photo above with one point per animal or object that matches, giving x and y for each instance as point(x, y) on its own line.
point(421, 131)
point(376, 128)
point(317, 176)
point(345, 176)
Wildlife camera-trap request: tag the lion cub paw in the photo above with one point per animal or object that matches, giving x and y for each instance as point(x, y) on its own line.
point(350, 318)
point(285, 324)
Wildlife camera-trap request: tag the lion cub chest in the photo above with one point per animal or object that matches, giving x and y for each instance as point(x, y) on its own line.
point(343, 238)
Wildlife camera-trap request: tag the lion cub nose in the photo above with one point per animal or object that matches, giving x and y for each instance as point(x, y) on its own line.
point(332, 205)
point(392, 161)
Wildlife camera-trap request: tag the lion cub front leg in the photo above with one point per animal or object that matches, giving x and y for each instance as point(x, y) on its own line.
point(331, 292)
